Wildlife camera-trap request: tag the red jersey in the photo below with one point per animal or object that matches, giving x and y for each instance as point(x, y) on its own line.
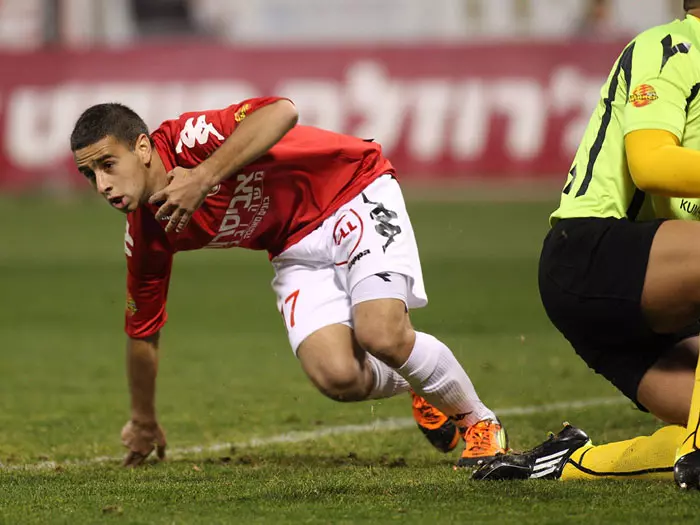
point(270, 205)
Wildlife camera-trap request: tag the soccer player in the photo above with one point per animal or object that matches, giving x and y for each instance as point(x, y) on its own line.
point(328, 209)
point(619, 271)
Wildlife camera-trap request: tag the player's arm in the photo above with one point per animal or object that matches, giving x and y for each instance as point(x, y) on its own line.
point(142, 370)
point(250, 139)
point(659, 165)
point(664, 72)
point(253, 128)
point(142, 433)
point(149, 262)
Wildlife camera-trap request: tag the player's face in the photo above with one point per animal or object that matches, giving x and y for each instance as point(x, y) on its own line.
point(117, 172)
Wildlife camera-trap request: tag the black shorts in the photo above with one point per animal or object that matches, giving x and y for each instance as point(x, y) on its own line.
point(591, 277)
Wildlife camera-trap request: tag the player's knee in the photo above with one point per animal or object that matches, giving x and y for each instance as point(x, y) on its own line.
point(334, 365)
point(339, 378)
point(341, 384)
point(390, 342)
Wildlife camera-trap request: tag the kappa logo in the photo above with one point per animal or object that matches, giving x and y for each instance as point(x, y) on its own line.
point(383, 216)
point(196, 132)
point(357, 257)
point(128, 241)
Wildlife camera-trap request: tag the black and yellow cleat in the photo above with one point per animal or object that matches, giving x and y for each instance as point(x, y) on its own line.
point(545, 461)
point(686, 471)
point(440, 431)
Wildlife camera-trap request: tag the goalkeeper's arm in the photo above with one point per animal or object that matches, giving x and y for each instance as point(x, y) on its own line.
point(659, 165)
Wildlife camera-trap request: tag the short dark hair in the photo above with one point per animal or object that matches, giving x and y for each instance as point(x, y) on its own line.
point(102, 120)
point(690, 4)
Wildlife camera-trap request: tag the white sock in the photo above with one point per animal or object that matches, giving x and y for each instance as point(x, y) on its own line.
point(434, 373)
point(387, 381)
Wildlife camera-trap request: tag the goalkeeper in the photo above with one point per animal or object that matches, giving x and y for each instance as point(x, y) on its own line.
point(620, 268)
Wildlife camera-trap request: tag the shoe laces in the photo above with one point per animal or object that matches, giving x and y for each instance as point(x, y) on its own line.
point(427, 411)
point(479, 436)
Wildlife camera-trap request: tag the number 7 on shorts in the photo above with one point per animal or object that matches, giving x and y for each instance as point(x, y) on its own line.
point(292, 297)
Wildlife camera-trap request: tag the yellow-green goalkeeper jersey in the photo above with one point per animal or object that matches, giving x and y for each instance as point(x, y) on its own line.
point(653, 85)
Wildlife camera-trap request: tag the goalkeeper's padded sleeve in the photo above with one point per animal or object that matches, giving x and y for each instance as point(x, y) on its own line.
point(659, 165)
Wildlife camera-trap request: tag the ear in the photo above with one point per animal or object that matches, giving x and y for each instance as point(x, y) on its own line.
point(143, 148)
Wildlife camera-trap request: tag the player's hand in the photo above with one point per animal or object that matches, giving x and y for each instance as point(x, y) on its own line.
point(184, 193)
point(141, 439)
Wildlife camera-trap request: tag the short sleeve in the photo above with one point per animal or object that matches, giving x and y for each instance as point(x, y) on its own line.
point(237, 113)
point(194, 136)
point(663, 75)
point(149, 262)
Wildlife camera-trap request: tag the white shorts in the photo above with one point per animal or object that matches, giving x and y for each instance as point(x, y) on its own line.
point(369, 235)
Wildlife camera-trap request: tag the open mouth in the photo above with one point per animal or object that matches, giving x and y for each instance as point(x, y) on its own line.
point(118, 202)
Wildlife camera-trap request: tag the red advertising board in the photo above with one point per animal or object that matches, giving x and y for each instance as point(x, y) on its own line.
point(495, 111)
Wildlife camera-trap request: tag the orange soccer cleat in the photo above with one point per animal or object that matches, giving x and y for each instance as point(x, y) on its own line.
point(484, 441)
point(442, 433)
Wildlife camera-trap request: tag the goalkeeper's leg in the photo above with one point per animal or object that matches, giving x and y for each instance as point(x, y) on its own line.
point(570, 455)
point(687, 466)
point(645, 457)
point(665, 390)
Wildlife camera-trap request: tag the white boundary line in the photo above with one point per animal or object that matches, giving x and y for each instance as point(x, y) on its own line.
point(380, 425)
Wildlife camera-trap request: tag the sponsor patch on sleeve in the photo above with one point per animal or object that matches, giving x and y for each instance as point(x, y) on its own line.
point(131, 307)
point(242, 112)
point(643, 95)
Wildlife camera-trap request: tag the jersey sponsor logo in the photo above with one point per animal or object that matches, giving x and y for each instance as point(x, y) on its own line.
point(643, 95)
point(348, 231)
point(245, 212)
point(128, 241)
point(343, 230)
point(357, 257)
point(384, 216)
point(691, 208)
point(131, 308)
point(196, 133)
point(242, 113)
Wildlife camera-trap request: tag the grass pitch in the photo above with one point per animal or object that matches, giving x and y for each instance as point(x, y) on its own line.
point(228, 376)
